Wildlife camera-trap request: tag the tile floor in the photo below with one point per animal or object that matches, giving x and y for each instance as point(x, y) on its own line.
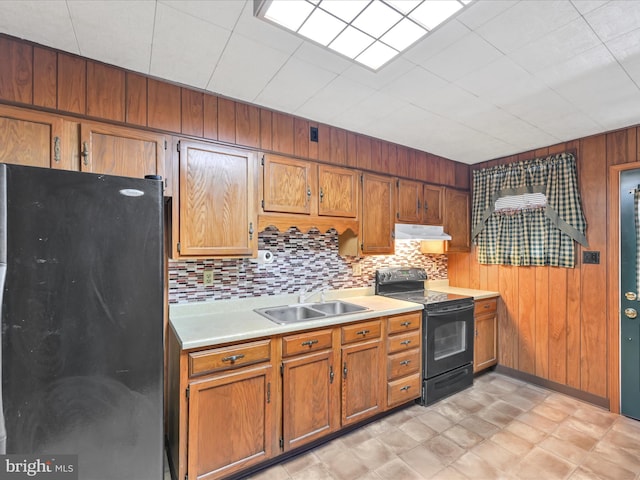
point(500, 428)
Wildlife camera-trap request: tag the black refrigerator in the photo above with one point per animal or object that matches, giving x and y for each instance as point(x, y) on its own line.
point(81, 261)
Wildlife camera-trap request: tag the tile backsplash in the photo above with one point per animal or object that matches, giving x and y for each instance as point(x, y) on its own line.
point(307, 260)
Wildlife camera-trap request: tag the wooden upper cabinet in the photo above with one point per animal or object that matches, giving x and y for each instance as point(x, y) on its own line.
point(30, 138)
point(457, 220)
point(409, 202)
point(378, 214)
point(289, 185)
point(337, 191)
point(121, 151)
point(217, 194)
point(432, 205)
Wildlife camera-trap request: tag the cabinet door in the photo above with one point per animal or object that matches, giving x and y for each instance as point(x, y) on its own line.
point(126, 152)
point(338, 192)
point(361, 381)
point(288, 185)
point(377, 222)
point(231, 421)
point(30, 138)
point(457, 221)
point(409, 202)
point(432, 205)
point(217, 215)
point(485, 347)
point(310, 393)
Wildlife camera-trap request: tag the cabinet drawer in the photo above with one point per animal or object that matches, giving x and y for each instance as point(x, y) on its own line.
point(486, 305)
point(403, 341)
point(361, 331)
point(306, 342)
point(403, 390)
point(225, 358)
point(402, 323)
point(403, 363)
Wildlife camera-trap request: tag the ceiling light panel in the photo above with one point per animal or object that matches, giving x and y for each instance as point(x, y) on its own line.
point(371, 32)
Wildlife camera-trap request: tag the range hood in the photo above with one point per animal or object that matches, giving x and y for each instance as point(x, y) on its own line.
point(420, 232)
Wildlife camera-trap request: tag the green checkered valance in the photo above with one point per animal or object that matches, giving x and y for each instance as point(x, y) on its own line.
point(532, 232)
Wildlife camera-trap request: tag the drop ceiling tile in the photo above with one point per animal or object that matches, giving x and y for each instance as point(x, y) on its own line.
point(614, 19)
point(385, 76)
point(585, 6)
point(496, 76)
point(614, 112)
point(479, 13)
point(556, 47)
point(436, 41)
point(294, 84)
point(609, 83)
point(449, 101)
point(267, 33)
point(580, 66)
point(375, 107)
point(322, 57)
point(626, 47)
point(525, 22)
point(185, 49)
point(415, 84)
point(334, 98)
point(468, 54)
point(245, 68)
point(574, 125)
point(540, 106)
point(116, 32)
point(224, 13)
point(46, 22)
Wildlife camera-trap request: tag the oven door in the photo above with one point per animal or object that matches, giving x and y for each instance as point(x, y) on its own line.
point(449, 340)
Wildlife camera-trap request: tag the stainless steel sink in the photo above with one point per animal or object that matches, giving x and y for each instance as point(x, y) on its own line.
point(337, 308)
point(300, 313)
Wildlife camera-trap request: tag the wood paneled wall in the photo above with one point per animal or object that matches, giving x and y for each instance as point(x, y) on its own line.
point(55, 81)
point(553, 321)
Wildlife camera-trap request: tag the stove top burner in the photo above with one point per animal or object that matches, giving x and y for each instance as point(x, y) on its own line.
point(427, 297)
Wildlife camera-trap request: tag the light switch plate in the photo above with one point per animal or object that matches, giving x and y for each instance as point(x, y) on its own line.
point(356, 270)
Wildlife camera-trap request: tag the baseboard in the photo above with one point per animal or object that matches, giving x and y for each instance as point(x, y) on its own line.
point(558, 387)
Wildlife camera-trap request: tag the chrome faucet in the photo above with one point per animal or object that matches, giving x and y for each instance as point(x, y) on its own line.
point(304, 296)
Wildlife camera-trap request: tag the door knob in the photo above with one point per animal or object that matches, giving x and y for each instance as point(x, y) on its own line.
point(630, 296)
point(630, 312)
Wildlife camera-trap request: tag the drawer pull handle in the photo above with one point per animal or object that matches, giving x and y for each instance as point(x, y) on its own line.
point(405, 362)
point(406, 342)
point(405, 324)
point(486, 305)
point(362, 332)
point(309, 343)
point(405, 388)
point(233, 358)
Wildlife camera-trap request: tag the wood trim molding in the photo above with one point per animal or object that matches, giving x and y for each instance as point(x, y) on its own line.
point(613, 282)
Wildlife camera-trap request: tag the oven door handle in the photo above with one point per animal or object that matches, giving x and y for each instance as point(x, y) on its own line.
point(448, 312)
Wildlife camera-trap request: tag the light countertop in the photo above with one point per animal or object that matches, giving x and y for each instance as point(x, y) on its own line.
point(207, 324)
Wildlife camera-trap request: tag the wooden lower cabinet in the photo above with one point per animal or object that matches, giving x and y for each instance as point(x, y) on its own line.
point(485, 347)
point(404, 359)
point(228, 410)
point(231, 420)
point(310, 395)
point(361, 381)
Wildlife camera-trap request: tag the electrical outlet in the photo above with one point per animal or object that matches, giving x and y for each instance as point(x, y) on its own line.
point(207, 278)
point(356, 270)
point(590, 257)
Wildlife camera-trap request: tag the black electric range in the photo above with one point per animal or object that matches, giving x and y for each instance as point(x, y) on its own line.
point(447, 331)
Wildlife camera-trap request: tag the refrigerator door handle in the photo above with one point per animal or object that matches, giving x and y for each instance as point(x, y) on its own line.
point(3, 429)
point(3, 274)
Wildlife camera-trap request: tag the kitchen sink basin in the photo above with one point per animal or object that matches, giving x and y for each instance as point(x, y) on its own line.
point(315, 311)
point(337, 308)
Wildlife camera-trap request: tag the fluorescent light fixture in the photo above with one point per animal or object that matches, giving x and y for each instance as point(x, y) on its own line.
point(433, 13)
point(370, 32)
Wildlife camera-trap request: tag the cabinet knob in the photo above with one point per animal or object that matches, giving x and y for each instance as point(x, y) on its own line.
point(56, 149)
point(405, 362)
point(233, 358)
point(406, 342)
point(321, 194)
point(309, 343)
point(405, 388)
point(405, 324)
point(362, 332)
point(250, 230)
